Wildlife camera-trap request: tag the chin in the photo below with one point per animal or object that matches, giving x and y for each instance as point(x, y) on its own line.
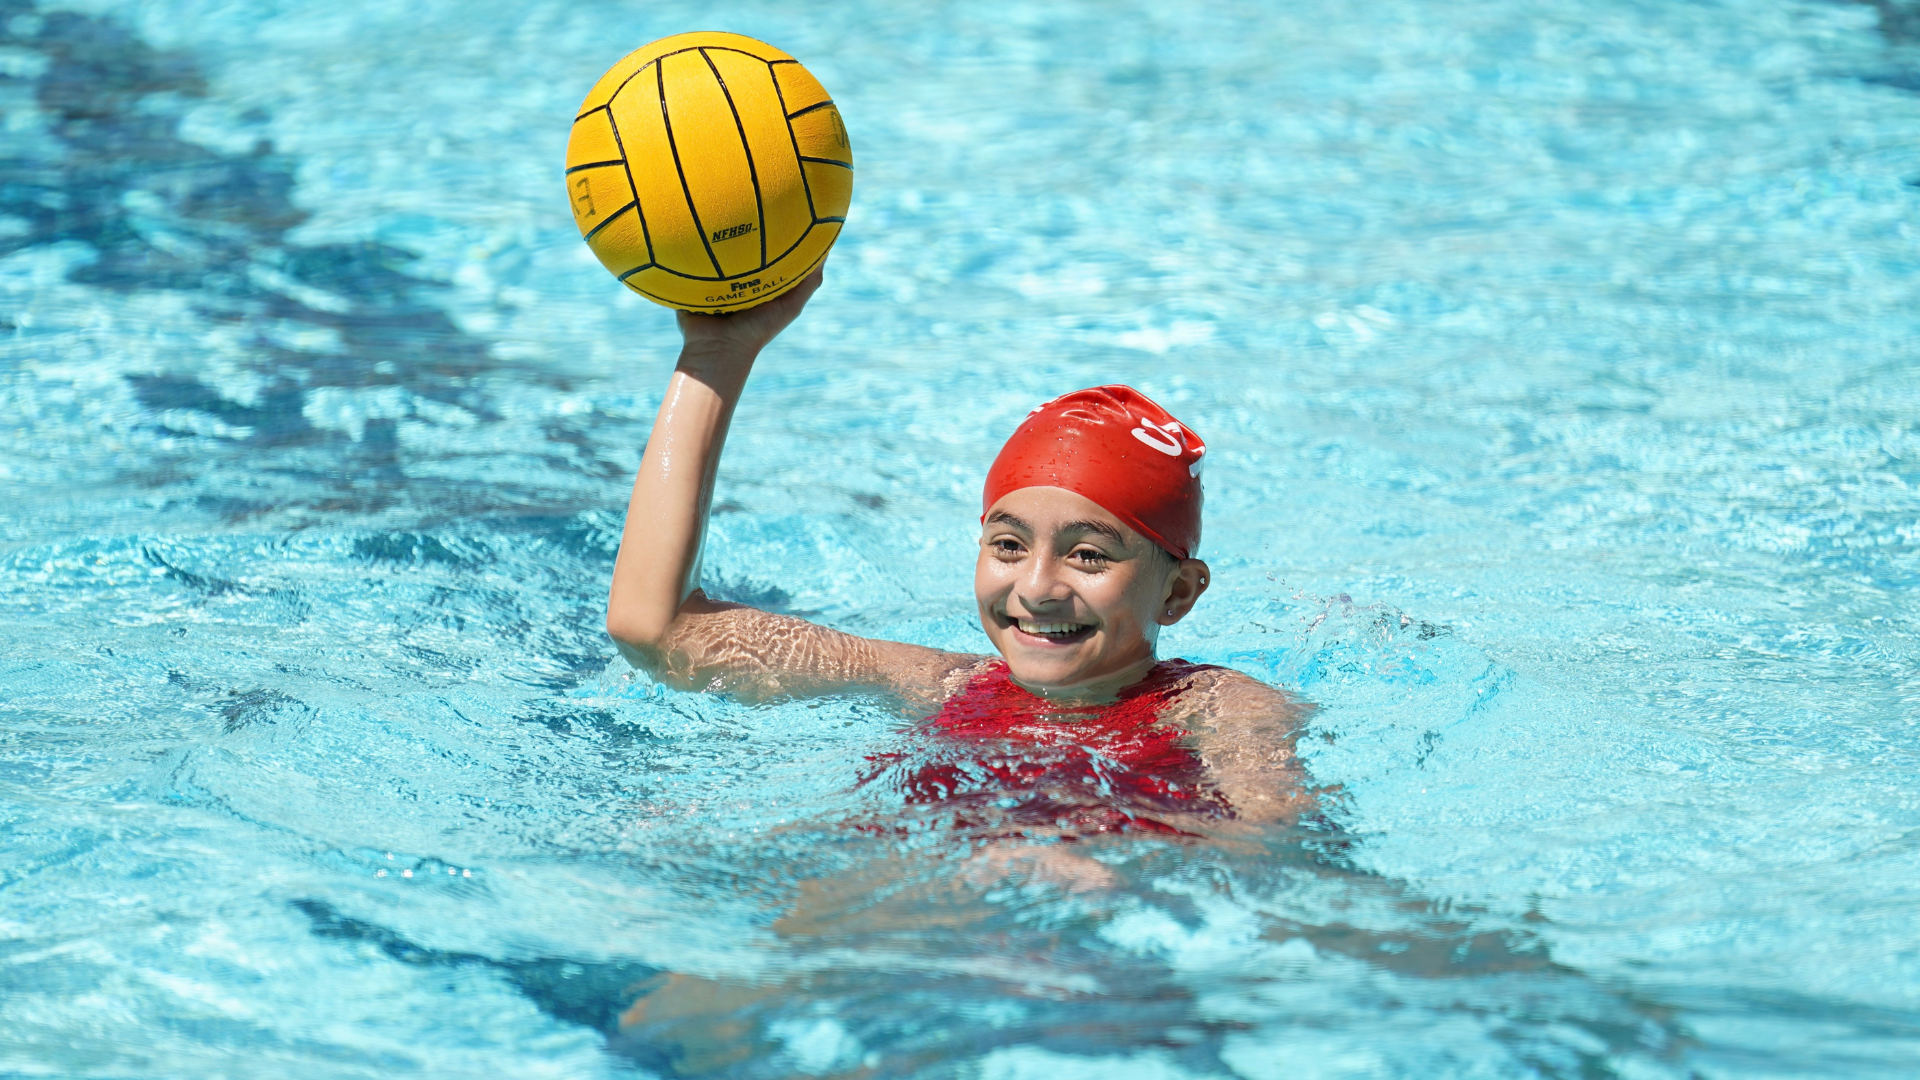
point(1045, 687)
point(1047, 673)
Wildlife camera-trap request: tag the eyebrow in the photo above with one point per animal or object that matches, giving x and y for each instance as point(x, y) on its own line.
point(1001, 517)
point(1100, 527)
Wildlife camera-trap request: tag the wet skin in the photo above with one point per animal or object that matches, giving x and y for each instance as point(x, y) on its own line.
point(1072, 597)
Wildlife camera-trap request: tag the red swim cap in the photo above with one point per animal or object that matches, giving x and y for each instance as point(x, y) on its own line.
point(1113, 445)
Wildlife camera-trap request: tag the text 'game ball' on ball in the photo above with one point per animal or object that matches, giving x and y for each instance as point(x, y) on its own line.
point(709, 171)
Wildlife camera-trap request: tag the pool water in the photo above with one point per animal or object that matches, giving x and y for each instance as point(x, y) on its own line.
point(1559, 365)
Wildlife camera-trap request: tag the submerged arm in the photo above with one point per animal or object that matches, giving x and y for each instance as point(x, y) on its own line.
point(656, 613)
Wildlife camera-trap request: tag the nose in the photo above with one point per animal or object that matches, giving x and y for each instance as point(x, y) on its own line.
point(1042, 586)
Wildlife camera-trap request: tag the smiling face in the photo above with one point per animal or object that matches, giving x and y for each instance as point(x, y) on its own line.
point(1072, 596)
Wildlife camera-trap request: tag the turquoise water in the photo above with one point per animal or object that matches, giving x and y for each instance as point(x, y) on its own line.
point(1558, 362)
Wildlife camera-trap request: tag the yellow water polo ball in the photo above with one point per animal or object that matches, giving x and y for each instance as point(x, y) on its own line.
point(709, 172)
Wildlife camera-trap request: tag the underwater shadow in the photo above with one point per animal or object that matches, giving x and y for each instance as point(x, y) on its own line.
point(108, 168)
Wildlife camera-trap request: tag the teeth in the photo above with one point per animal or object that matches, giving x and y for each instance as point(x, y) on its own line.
point(1048, 627)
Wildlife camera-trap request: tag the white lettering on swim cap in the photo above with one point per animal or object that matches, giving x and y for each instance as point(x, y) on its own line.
point(1160, 438)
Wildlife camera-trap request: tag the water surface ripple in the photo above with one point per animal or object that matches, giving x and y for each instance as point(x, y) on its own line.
point(1559, 366)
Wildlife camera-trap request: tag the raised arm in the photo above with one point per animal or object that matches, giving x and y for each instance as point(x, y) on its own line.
point(657, 614)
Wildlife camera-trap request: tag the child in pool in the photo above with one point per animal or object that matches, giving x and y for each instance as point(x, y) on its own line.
point(1092, 512)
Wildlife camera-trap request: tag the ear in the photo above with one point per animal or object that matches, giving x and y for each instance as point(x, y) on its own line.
point(1184, 587)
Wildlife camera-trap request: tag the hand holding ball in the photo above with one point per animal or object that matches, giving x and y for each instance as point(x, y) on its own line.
point(709, 172)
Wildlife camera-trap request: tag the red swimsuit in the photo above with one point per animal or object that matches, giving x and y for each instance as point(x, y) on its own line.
point(1009, 756)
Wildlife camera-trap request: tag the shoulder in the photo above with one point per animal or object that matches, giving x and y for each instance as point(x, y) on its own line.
point(926, 678)
point(1211, 681)
point(966, 669)
point(1219, 697)
point(1245, 731)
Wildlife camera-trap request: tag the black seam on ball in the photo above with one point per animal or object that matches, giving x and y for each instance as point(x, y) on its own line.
point(626, 166)
point(811, 108)
point(829, 161)
point(753, 174)
point(804, 233)
point(660, 80)
point(775, 261)
point(598, 164)
point(691, 48)
point(781, 96)
point(676, 305)
point(610, 219)
point(729, 277)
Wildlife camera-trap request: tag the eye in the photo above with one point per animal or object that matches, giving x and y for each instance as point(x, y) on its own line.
point(1005, 545)
point(1089, 557)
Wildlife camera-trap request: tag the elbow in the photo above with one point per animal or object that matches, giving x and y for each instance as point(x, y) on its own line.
point(646, 646)
point(642, 641)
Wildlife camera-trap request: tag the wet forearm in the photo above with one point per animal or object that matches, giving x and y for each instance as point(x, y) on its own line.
point(658, 567)
point(658, 563)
